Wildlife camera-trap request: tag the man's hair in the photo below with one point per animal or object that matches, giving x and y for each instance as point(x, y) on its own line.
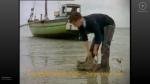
point(75, 16)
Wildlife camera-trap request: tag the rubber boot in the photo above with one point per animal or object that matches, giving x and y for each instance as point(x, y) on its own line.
point(105, 50)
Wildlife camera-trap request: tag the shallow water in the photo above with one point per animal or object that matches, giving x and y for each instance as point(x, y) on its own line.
point(50, 61)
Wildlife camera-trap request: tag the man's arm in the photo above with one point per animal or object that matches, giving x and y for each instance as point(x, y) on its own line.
point(86, 45)
point(96, 46)
point(98, 37)
point(84, 38)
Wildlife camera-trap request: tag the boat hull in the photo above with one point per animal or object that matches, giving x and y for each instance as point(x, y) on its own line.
point(53, 30)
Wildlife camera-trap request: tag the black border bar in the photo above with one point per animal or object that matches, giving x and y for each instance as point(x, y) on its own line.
point(140, 42)
point(9, 41)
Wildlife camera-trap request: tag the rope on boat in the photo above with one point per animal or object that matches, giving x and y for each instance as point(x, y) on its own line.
point(34, 3)
point(32, 10)
point(35, 8)
point(58, 5)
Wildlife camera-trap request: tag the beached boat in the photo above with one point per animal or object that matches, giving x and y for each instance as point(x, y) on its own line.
point(56, 28)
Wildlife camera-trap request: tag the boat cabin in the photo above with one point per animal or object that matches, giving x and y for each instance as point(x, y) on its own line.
point(66, 10)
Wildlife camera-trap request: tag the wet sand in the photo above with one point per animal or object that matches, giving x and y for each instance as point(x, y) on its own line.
point(50, 61)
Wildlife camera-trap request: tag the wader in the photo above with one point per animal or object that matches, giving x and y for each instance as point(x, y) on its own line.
point(105, 49)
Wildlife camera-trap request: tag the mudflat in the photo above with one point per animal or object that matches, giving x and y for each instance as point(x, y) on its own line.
point(51, 61)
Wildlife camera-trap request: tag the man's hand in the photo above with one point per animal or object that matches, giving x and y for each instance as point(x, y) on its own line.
point(96, 48)
point(89, 56)
point(95, 52)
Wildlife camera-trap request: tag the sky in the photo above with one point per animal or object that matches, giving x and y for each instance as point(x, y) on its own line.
point(119, 10)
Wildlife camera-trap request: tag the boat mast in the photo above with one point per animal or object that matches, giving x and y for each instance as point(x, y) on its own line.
point(46, 14)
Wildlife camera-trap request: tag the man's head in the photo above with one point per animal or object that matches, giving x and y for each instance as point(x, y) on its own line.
point(76, 19)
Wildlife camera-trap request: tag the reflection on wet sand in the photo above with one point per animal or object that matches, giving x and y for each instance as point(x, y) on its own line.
point(104, 80)
point(94, 79)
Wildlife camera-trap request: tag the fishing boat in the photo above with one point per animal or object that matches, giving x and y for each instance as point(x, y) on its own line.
point(56, 28)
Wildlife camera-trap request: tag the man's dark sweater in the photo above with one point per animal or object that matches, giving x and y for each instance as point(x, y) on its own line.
point(95, 23)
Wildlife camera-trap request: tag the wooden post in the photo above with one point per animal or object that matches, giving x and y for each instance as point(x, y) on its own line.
point(41, 16)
